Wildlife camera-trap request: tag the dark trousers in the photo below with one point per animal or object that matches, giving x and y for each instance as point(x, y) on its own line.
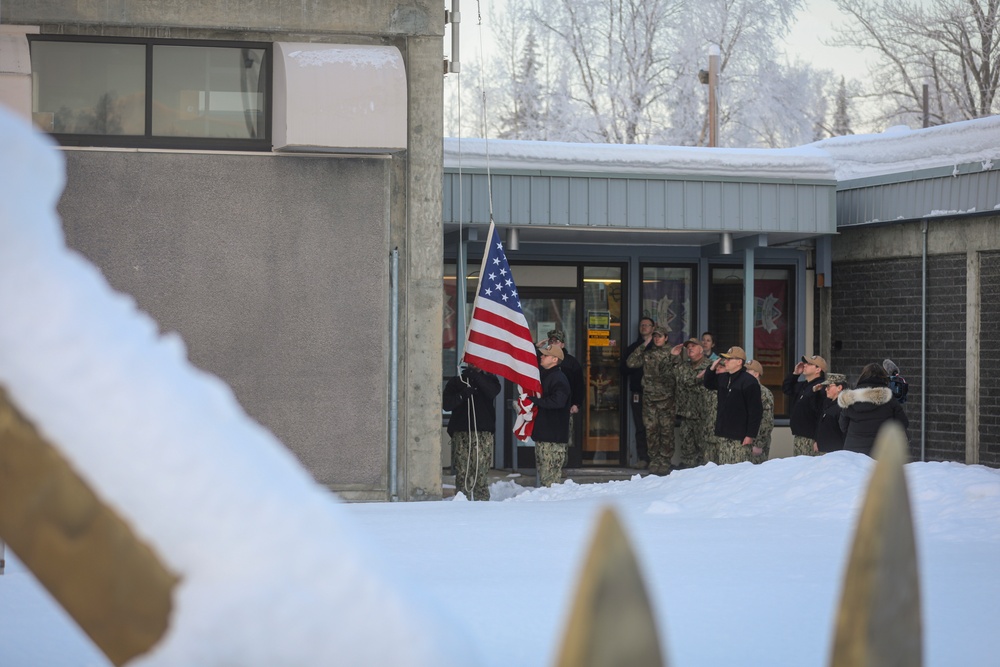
point(641, 448)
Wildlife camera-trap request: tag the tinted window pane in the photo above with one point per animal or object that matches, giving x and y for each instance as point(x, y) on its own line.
point(84, 88)
point(667, 297)
point(208, 92)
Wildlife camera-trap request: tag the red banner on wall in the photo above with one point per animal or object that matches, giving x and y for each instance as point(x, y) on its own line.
point(770, 321)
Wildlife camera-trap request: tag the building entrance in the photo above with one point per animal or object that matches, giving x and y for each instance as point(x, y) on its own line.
point(589, 314)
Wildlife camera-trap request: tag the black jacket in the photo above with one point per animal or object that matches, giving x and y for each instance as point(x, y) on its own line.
point(573, 371)
point(829, 437)
point(863, 411)
point(807, 405)
point(740, 407)
point(633, 376)
point(478, 394)
point(552, 417)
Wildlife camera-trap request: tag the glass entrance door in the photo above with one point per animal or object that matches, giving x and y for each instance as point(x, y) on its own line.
point(603, 444)
point(545, 311)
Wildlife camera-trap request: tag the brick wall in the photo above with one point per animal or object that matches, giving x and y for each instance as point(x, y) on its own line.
point(989, 351)
point(876, 314)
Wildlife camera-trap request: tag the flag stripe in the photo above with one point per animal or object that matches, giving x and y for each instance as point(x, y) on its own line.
point(498, 339)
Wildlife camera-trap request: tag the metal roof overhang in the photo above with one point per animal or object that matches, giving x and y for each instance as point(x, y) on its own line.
point(638, 203)
point(957, 191)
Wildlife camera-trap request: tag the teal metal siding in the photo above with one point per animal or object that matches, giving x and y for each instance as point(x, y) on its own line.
point(641, 203)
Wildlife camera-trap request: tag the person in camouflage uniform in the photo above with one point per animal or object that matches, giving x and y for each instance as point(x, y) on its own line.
point(711, 412)
point(692, 400)
point(761, 448)
point(551, 429)
point(658, 400)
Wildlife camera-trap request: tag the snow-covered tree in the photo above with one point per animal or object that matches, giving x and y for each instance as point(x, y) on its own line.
point(841, 115)
point(527, 117)
point(951, 45)
point(620, 53)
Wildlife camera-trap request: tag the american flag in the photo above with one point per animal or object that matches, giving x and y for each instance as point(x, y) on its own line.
point(499, 340)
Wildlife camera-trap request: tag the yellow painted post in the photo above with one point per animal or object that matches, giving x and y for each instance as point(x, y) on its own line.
point(878, 623)
point(611, 622)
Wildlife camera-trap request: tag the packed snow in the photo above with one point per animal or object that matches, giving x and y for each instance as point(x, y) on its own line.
point(898, 150)
point(743, 563)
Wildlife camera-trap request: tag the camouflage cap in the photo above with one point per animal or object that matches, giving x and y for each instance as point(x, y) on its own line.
point(660, 330)
point(734, 352)
point(692, 341)
point(835, 378)
point(557, 334)
point(754, 365)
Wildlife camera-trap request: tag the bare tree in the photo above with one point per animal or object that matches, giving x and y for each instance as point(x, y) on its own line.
point(621, 56)
point(951, 45)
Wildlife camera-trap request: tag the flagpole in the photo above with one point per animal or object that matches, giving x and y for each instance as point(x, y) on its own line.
point(479, 285)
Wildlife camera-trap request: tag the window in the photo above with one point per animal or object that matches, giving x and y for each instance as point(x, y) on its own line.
point(773, 332)
point(668, 298)
point(156, 93)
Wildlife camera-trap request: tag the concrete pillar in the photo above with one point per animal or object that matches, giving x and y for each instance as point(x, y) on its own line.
point(972, 323)
point(15, 68)
point(422, 252)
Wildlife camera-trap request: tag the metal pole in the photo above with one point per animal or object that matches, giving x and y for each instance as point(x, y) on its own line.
point(927, 108)
point(748, 301)
point(454, 17)
point(714, 57)
point(394, 376)
point(923, 347)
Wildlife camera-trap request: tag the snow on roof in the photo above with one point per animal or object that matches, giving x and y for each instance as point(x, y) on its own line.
point(898, 150)
point(804, 163)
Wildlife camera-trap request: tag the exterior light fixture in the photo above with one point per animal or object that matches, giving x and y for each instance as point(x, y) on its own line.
point(513, 242)
point(726, 243)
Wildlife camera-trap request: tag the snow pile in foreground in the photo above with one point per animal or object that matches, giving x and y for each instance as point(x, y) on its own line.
point(170, 450)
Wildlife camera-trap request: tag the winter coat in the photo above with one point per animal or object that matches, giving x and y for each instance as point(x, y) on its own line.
point(552, 417)
point(863, 411)
point(740, 406)
point(573, 371)
point(658, 382)
point(829, 437)
point(475, 390)
point(807, 405)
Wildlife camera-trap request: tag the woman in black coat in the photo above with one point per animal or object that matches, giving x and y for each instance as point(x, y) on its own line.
point(866, 408)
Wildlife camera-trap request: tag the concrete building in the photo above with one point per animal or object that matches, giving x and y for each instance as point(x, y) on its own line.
point(246, 174)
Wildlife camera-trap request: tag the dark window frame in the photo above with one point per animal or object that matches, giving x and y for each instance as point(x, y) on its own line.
point(149, 140)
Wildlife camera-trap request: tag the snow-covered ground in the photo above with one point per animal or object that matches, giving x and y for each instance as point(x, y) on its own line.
point(744, 564)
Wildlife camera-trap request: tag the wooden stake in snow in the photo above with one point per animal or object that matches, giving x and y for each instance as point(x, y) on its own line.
point(878, 623)
point(611, 622)
point(111, 583)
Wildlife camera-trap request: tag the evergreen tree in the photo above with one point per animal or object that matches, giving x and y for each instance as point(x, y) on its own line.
point(841, 118)
point(526, 119)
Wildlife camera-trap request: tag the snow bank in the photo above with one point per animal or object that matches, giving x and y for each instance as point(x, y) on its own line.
point(169, 448)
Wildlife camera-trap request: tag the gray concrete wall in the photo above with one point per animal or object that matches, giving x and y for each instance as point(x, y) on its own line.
point(275, 272)
point(877, 305)
point(376, 17)
point(412, 183)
